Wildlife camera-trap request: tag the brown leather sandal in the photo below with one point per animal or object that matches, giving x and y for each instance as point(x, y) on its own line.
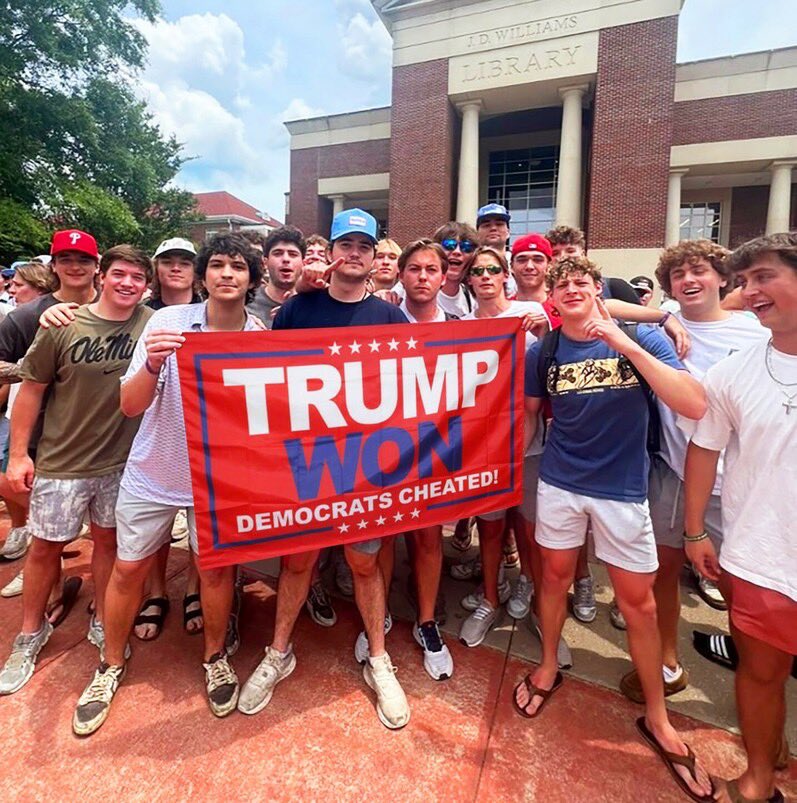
point(534, 691)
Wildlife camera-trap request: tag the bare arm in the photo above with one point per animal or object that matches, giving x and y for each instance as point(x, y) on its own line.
point(9, 373)
point(23, 418)
point(638, 313)
point(138, 392)
point(733, 301)
point(533, 407)
point(700, 471)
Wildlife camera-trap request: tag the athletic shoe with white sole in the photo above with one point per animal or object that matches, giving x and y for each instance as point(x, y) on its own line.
point(96, 636)
point(564, 657)
point(437, 660)
point(470, 602)
point(221, 683)
point(95, 702)
point(584, 606)
point(12, 589)
point(392, 707)
point(16, 543)
point(467, 570)
point(259, 689)
point(519, 603)
point(616, 616)
point(711, 595)
point(361, 646)
point(319, 605)
point(19, 667)
point(476, 627)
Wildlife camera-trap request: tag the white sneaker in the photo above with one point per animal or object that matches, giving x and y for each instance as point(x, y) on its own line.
point(564, 657)
point(519, 603)
point(96, 636)
point(616, 616)
point(16, 543)
point(711, 595)
point(584, 606)
point(259, 689)
point(95, 703)
point(361, 646)
point(476, 627)
point(472, 601)
point(437, 660)
point(14, 588)
point(18, 669)
point(392, 707)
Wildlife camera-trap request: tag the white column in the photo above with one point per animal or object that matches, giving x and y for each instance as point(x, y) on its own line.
point(468, 188)
point(779, 209)
point(337, 203)
point(568, 185)
point(672, 233)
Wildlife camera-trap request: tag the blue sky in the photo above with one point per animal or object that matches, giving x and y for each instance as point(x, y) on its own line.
point(223, 76)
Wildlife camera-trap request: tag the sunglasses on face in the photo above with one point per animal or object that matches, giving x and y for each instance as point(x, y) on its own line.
point(493, 270)
point(466, 246)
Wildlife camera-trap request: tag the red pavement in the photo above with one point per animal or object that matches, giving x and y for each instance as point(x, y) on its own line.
point(320, 738)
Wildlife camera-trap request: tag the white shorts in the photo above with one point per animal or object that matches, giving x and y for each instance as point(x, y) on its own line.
point(666, 498)
point(622, 531)
point(58, 506)
point(143, 527)
point(528, 505)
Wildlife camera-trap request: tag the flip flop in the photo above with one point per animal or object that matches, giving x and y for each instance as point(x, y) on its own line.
point(66, 601)
point(191, 599)
point(533, 691)
point(157, 619)
point(732, 787)
point(672, 759)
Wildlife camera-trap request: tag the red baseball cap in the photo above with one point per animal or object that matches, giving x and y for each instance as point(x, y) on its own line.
point(532, 242)
point(74, 240)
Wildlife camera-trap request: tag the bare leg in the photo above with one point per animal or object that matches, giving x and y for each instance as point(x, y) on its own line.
point(103, 556)
point(122, 600)
point(216, 588)
point(491, 540)
point(154, 587)
point(760, 700)
point(195, 624)
point(387, 560)
point(428, 565)
point(42, 568)
point(369, 594)
point(294, 583)
point(667, 592)
point(634, 595)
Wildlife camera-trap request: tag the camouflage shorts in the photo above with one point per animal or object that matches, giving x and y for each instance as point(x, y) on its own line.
point(59, 506)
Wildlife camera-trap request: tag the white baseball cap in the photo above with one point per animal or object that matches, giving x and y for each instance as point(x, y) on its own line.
point(175, 244)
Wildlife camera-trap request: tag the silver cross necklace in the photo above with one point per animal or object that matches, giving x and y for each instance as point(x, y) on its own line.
point(789, 405)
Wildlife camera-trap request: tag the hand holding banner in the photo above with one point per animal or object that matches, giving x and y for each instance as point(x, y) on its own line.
point(309, 438)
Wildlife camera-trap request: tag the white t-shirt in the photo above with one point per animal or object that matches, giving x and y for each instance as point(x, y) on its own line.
point(439, 318)
point(157, 468)
point(517, 309)
point(747, 417)
point(712, 341)
point(459, 305)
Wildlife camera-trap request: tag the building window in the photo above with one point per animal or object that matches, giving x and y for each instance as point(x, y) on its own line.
point(524, 181)
point(700, 221)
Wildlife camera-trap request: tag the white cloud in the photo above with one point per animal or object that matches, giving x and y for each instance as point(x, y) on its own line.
point(298, 109)
point(366, 50)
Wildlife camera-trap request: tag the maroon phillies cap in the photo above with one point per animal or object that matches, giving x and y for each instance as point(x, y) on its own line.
point(532, 242)
point(74, 240)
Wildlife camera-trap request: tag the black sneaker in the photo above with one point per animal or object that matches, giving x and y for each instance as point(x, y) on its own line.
point(222, 685)
point(319, 606)
point(95, 702)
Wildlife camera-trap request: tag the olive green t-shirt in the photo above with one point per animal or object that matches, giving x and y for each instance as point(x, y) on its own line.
point(85, 433)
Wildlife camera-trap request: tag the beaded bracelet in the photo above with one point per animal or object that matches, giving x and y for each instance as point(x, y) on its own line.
point(691, 539)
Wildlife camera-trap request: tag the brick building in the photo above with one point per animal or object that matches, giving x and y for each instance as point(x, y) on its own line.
point(568, 111)
point(222, 211)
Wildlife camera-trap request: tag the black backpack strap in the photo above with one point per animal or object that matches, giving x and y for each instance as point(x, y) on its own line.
point(654, 420)
point(547, 367)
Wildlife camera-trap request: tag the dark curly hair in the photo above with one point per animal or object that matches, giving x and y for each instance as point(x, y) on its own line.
point(783, 245)
point(285, 234)
point(232, 244)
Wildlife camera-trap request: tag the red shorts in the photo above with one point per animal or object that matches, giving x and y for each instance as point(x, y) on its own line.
point(764, 614)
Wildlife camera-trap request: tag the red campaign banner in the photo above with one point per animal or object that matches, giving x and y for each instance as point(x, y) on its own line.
point(309, 438)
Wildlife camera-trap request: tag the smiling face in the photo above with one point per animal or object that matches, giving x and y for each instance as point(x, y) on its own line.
point(486, 278)
point(423, 276)
point(528, 268)
point(316, 252)
point(494, 231)
point(227, 278)
point(75, 270)
point(357, 251)
point(769, 289)
point(695, 285)
point(124, 284)
point(284, 263)
point(574, 293)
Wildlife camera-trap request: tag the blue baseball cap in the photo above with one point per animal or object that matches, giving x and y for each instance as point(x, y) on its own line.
point(8, 273)
point(353, 221)
point(492, 210)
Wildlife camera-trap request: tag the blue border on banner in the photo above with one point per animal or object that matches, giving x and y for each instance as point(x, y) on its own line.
point(199, 358)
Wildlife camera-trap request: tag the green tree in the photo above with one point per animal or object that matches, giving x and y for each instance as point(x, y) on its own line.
point(21, 234)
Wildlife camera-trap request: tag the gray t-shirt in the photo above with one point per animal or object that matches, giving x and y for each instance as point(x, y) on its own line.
point(262, 306)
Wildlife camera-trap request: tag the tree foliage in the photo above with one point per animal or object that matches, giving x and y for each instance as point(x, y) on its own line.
point(76, 146)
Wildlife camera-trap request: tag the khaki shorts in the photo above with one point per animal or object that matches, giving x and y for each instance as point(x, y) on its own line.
point(59, 506)
point(528, 506)
point(143, 527)
point(666, 499)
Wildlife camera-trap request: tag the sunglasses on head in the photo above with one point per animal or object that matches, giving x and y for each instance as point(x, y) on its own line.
point(466, 246)
point(493, 270)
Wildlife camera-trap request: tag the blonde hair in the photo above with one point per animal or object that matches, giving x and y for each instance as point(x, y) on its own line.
point(388, 245)
point(37, 275)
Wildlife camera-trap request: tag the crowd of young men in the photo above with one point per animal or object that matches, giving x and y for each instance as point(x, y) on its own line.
point(660, 436)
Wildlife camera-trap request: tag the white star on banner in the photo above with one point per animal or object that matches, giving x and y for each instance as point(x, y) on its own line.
point(394, 344)
point(398, 517)
point(361, 525)
point(355, 347)
point(411, 343)
point(374, 346)
point(344, 528)
point(334, 348)
point(415, 513)
point(380, 521)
